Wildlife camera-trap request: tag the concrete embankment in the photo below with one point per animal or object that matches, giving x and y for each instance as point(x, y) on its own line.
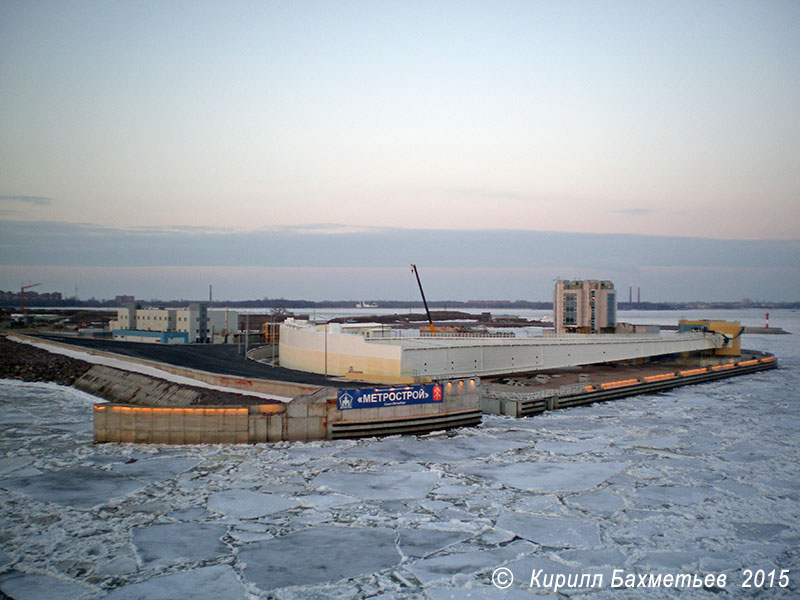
point(116, 385)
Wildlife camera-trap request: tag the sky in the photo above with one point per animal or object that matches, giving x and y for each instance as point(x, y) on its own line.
point(315, 149)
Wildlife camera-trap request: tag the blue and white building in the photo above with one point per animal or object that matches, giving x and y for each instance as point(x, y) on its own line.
point(162, 325)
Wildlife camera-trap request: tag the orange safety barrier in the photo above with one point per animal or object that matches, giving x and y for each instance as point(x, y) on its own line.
point(693, 372)
point(618, 384)
point(747, 363)
point(154, 409)
point(662, 377)
point(768, 359)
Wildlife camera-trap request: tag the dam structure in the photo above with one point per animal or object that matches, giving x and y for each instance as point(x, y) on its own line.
point(362, 380)
point(370, 352)
point(151, 401)
point(525, 376)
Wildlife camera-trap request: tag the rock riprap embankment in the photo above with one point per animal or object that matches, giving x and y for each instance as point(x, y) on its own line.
point(28, 363)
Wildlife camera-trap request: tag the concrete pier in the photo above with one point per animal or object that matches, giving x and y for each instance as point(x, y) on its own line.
point(144, 409)
point(525, 401)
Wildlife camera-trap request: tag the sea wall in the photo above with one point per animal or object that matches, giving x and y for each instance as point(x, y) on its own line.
point(529, 403)
point(127, 387)
point(145, 409)
point(461, 407)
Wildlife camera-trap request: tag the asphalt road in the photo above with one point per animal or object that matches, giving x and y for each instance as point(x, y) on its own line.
point(224, 359)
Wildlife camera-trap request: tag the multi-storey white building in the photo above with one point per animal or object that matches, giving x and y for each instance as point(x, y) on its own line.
point(584, 306)
point(162, 325)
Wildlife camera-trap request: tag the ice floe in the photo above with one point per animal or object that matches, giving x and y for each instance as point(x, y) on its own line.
point(694, 480)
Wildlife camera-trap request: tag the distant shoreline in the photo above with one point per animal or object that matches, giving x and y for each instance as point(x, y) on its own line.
point(270, 303)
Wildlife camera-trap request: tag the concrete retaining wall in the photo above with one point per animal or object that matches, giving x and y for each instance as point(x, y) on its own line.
point(152, 425)
point(145, 409)
point(461, 407)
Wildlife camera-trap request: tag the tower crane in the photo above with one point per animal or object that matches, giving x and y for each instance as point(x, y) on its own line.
point(22, 295)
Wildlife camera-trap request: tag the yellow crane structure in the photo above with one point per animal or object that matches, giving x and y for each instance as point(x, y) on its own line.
point(22, 295)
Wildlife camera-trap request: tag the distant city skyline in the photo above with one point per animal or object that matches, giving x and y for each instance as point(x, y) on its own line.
point(155, 148)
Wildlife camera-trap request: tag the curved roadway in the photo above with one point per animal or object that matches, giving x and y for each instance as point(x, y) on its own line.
point(224, 359)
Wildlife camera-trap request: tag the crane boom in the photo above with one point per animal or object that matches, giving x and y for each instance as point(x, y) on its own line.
point(22, 295)
point(424, 302)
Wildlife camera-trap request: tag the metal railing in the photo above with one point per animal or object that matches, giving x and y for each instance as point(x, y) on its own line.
point(412, 334)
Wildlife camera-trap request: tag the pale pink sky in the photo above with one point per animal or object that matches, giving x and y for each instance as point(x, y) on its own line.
point(674, 118)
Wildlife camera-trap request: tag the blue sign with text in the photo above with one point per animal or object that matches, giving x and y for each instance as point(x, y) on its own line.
point(393, 396)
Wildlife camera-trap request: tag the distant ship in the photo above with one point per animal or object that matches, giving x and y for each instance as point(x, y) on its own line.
point(365, 304)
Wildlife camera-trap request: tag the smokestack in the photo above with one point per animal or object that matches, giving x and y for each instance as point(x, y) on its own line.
point(638, 295)
point(630, 294)
point(210, 295)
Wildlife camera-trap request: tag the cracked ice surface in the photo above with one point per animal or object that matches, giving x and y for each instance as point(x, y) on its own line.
point(244, 504)
point(701, 479)
point(375, 486)
point(550, 476)
point(338, 552)
point(204, 583)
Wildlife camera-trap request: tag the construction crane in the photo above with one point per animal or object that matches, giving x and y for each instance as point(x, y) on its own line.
point(424, 302)
point(22, 295)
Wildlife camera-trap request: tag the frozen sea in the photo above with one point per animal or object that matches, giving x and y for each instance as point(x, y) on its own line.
point(703, 480)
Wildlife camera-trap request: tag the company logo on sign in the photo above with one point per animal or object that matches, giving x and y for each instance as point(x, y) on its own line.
point(345, 401)
point(375, 398)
